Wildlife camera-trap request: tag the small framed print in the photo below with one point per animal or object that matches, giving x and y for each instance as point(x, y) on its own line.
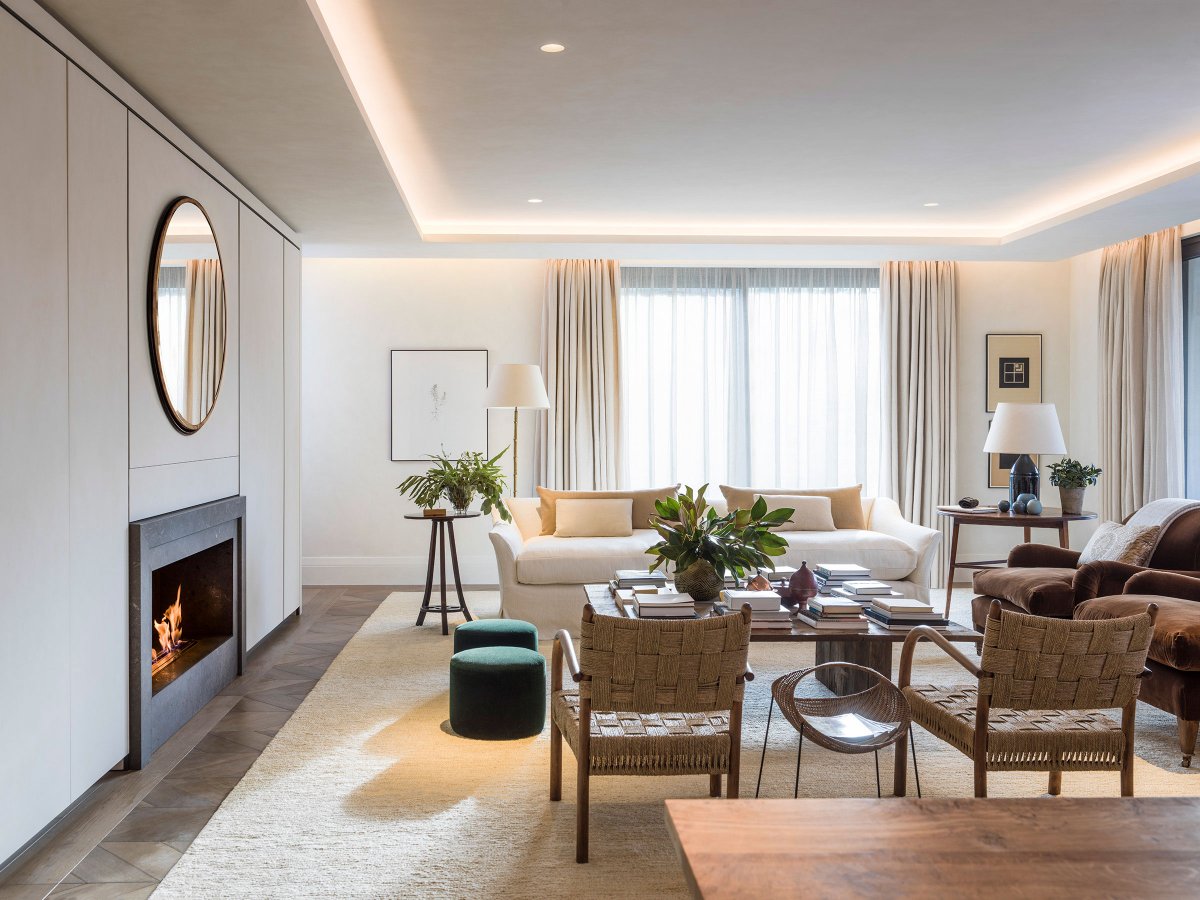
point(1014, 369)
point(438, 402)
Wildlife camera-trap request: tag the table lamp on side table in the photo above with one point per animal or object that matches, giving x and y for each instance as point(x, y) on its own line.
point(1025, 429)
point(520, 386)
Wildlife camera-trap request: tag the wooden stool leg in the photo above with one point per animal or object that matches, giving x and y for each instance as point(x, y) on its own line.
point(1055, 786)
point(1187, 740)
point(555, 761)
point(733, 779)
point(1127, 719)
point(714, 785)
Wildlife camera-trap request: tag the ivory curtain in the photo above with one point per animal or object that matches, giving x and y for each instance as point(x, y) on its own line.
point(578, 446)
point(1141, 372)
point(919, 309)
point(206, 335)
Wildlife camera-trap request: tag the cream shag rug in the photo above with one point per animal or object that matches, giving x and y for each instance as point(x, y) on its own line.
point(365, 793)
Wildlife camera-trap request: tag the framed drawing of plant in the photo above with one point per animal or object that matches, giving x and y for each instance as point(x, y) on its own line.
point(437, 399)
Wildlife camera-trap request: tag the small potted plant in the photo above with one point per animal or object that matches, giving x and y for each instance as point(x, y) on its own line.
point(1072, 478)
point(704, 546)
point(459, 480)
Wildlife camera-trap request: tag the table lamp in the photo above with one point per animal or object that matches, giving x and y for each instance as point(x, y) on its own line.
point(520, 386)
point(1024, 429)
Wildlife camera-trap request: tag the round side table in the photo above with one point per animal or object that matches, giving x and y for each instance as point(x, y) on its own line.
point(440, 527)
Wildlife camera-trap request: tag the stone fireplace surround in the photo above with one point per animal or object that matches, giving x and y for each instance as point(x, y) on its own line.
point(203, 545)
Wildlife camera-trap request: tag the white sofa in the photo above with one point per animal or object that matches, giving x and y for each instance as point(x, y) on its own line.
point(541, 576)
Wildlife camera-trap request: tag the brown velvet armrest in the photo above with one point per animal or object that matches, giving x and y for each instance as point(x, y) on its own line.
point(1102, 578)
point(1165, 584)
point(1042, 556)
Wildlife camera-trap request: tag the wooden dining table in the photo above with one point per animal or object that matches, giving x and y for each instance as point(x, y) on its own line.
point(1037, 847)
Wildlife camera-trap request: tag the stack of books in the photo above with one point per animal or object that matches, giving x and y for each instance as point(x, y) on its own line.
point(835, 613)
point(628, 578)
point(648, 603)
point(864, 590)
point(830, 576)
point(903, 614)
point(766, 607)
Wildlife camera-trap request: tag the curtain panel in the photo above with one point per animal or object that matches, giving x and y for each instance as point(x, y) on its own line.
point(919, 308)
point(206, 336)
point(770, 377)
point(1141, 372)
point(579, 443)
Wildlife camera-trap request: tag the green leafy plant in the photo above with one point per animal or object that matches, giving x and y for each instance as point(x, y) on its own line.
point(1071, 473)
point(459, 480)
point(738, 541)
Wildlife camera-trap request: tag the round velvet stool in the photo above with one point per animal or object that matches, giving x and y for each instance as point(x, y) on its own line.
point(495, 633)
point(497, 693)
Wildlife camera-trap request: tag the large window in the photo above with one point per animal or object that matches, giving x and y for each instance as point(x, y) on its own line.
point(1191, 351)
point(761, 377)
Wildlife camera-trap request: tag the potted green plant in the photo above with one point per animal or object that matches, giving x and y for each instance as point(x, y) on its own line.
point(704, 545)
point(459, 480)
point(1072, 478)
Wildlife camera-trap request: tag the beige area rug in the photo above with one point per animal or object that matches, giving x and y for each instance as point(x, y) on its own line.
point(364, 793)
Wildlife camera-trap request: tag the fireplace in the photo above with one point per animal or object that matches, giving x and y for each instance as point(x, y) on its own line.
point(186, 619)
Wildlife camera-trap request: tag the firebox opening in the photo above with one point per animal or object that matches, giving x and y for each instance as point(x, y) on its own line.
point(191, 613)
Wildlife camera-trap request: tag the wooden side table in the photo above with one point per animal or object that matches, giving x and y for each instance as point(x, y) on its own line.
point(441, 527)
point(1051, 517)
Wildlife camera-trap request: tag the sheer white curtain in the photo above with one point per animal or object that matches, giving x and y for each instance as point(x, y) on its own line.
point(173, 328)
point(767, 377)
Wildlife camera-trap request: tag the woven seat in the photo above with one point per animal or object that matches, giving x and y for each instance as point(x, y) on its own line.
point(662, 697)
point(628, 743)
point(1036, 705)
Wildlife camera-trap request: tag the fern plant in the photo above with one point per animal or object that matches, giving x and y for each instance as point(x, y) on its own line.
point(459, 480)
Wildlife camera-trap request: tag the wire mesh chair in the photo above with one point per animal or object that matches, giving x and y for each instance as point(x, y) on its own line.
point(881, 703)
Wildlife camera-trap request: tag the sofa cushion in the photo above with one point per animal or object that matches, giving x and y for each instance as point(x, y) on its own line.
point(1130, 544)
point(808, 513)
point(643, 503)
point(547, 559)
point(593, 518)
point(1176, 641)
point(846, 502)
point(1040, 591)
point(888, 558)
point(525, 515)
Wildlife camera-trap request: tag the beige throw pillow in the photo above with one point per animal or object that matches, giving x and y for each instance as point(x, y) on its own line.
point(1131, 544)
point(643, 502)
point(594, 518)
point(811, 513)
point(846, 502)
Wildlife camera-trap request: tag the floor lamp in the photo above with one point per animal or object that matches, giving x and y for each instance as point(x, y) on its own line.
point(519, 386)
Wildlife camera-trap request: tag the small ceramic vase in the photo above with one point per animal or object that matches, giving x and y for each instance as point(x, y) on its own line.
point(802, 587)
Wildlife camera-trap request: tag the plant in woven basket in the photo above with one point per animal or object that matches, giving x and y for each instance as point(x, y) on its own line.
point(1072, 478)
point(459, 480)
point(704, 545)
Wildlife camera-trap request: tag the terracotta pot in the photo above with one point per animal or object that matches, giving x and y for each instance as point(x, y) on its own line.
point(700, 580)
point(1071, 500)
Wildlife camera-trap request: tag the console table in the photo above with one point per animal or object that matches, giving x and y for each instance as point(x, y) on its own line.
point(1063, 847)
point(441, 527)
point(1051, 517)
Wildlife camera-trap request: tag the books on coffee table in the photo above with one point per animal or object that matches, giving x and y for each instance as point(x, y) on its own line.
point(905, 620)
point(833, 623)
point(664, 605)
point(759, 601)
point(866, 586)
point(626, 578)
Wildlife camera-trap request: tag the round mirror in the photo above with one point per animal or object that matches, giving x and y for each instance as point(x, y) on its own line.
point(187, 315)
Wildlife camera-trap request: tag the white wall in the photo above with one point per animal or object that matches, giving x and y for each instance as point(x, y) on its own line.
point(355, 312)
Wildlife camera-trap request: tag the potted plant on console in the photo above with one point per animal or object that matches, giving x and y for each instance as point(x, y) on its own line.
point(704, 545)
point(1072, 478)
point(459, 480)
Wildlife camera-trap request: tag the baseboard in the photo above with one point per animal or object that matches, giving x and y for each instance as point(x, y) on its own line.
point(329, 570)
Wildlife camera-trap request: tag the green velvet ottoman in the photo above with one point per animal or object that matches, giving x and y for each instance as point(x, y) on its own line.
point(497, 693)
point(495, 633)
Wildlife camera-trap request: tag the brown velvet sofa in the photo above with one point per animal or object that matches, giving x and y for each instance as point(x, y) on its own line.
point(1174, 660)
point(1048, 581)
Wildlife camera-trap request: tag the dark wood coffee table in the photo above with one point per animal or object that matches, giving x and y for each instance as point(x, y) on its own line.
point(871, 648)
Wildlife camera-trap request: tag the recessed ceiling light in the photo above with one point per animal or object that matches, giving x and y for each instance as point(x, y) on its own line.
point(933, 204)
point(553, 48)
point(535, 199)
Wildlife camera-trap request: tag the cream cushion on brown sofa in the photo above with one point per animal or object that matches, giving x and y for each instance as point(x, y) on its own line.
point(1130, 544)
point(643, 503)
point(845, 502)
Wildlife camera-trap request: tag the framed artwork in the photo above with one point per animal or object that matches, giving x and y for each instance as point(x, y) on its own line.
point(1000, 465)
point(438, 403)
point(1014, 369)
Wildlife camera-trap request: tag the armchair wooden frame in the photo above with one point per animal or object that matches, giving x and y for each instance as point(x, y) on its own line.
point(563, 653)
point(987, 680)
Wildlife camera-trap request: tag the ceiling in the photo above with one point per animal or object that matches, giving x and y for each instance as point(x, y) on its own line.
point(683, 128)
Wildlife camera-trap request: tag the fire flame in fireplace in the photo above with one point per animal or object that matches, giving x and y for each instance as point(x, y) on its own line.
point(170, 633)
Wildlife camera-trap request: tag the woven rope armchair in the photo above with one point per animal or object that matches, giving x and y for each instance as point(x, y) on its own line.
point(661, 697)
point(1035, 707)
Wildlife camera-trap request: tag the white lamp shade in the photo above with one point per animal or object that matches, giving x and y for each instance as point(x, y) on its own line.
point(515, 384)
point(1025, 428)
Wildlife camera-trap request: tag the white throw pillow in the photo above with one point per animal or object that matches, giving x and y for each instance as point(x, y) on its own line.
point(812, 513)
point(1131, 544)
point(594, 518)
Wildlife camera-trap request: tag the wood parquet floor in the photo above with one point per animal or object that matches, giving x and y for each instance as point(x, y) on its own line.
point(128, 831)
